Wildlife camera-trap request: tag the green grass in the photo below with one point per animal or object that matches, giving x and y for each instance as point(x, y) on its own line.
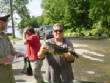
point(67, 31)
point(84, 32)
point(11, 38)
point(89, 37)
point(96, 37)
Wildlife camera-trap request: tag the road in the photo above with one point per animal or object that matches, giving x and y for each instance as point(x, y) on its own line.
point(92, 66)
point(18, 66)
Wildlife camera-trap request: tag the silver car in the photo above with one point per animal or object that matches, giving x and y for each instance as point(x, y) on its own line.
point(45, 32)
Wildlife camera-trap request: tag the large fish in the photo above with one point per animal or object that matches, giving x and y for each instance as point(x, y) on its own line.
point(59, 50)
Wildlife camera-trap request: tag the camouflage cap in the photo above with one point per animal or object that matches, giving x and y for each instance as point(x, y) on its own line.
point(4, 18)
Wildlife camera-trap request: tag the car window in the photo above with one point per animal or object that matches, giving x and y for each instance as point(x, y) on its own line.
point(41, 29)
point(48, 27)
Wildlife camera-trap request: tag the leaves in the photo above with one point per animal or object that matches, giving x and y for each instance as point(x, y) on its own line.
point(77, 14)
point(18, 6)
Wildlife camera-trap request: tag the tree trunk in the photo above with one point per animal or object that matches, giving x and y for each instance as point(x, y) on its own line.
point(11, 9)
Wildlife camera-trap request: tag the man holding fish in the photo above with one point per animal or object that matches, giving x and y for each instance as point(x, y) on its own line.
point(59, 54)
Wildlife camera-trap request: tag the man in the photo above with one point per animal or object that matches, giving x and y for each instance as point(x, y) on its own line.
point(7, 53)
point(59, 67)
point(33, 46)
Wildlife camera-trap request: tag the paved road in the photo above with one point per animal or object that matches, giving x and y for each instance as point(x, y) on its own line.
point(91, 65)
point(17, 67)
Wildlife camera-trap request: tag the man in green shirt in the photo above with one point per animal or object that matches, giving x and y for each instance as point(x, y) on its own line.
point(7, 53)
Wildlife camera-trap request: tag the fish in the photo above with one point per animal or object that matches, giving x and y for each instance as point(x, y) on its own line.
point(60, 50)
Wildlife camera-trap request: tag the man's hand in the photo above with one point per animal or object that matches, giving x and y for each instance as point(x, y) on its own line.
point(69, 57)
point(9, 58)
point(24, 33)
point(19, 54)
point(6, 59)
point(43, 50)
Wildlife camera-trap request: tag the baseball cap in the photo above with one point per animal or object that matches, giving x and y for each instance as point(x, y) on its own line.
point(4, 18)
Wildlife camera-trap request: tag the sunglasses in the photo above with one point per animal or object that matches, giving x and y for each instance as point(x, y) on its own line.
point(3, 20)
point(58, 31)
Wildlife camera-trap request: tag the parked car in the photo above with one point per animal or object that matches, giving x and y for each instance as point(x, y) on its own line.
point(45, 32)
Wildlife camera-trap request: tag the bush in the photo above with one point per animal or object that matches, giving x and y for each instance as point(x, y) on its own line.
point(9, 34)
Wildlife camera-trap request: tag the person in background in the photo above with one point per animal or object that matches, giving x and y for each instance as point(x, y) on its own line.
point(33, 46)
point(7, 53)
point(59, 67)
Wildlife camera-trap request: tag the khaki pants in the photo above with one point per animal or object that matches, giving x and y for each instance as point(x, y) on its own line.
point(6, 74)
point(36, 68)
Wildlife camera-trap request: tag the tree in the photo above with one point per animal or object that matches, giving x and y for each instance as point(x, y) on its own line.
point(99, 13)
point(53, 11)
point(28, 22)
point(39, 20)
point(11, 12)
point(72, 14)
point(12, 6)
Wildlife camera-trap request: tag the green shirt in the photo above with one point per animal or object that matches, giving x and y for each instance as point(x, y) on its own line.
point(6, 48)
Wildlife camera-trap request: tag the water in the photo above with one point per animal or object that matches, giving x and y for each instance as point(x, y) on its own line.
point(17, 32)
point(93, 63)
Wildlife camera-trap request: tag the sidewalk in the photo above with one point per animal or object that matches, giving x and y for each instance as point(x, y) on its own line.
point(18, 66)
point(22, 78)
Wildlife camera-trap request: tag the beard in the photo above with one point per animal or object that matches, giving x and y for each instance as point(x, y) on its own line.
point(2, 28)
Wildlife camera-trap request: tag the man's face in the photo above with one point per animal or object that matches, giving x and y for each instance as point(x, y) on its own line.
point(58, 32)
point(3, 25)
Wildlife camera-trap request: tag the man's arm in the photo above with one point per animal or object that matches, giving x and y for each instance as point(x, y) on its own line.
point(43, 50)
point(24, 38)
point(6, 59)
point(18, 54)
point(68, 55)
point(10, 57)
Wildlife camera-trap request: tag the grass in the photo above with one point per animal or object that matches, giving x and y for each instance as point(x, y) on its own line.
point(96, 37)
point(11, 38)
point(84, 32)
point(89, 37)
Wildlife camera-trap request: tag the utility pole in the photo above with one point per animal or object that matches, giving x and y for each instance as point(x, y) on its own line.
point(11, 11)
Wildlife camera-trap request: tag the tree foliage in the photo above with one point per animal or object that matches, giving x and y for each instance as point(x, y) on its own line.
point(19, 7)
point(77, 14)
point(99, 11)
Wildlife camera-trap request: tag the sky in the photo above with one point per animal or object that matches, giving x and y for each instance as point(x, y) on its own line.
point(34, 8)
